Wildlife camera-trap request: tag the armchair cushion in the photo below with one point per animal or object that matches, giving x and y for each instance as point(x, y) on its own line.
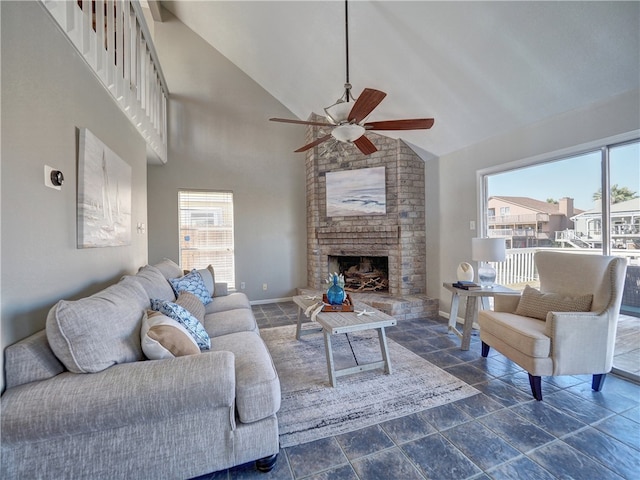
point(524, 334)
point(536, 304)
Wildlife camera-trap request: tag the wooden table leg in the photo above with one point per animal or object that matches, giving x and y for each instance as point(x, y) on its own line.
point(299, 325)
point(469, 317)
point(329, 353)
point(384, 348)
point(453, 311)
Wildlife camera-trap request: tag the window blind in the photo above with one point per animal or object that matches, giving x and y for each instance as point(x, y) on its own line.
point(206, 232)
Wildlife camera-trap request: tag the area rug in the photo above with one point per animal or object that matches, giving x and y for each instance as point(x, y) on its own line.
point(311, 409)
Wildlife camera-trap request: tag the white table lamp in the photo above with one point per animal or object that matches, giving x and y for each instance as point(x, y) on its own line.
point(485, 250)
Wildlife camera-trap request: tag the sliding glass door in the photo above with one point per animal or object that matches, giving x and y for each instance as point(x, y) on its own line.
point(624, 225)
point(587, 202)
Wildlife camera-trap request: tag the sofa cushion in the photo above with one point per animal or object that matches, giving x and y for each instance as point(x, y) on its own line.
point(96, 332)
point(154, 283)
point(163, 337)
point(228, 302)
point(536, 304)
point(192, 282)
point(231, 321)
point(182, 315)
point(169, 269)
point(147, 398)
point(257, 383)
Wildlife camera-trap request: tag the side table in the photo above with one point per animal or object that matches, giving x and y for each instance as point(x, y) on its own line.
point(471, 314)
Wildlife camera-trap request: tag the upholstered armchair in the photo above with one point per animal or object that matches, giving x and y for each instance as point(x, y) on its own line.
point(566, 328)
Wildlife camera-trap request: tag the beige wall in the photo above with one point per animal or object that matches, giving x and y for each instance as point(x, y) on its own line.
point(47, 93)
point(457, 174)
point(221, 139)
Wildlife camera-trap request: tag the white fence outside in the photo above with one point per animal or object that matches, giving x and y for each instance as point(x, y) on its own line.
point(519, 269)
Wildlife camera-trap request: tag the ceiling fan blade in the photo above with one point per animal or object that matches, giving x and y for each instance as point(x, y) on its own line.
point(367, 101)
point(314, 143)
point(413, 124)
point(301, 122)
point(365, 145)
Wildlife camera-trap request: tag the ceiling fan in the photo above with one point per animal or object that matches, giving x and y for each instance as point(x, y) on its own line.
point(348, 122)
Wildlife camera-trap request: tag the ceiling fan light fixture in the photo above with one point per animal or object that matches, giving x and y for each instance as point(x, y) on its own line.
point(338, 112)
point(347, 132)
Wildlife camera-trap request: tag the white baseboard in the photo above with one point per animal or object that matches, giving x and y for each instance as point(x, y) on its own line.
point(271, 300)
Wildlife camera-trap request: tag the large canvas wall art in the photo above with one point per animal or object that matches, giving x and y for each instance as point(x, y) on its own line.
point(356, 192)
point(104, 195)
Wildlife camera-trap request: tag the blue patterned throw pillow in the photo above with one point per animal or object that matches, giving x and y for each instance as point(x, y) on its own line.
point(182, 315)
point(192, 282)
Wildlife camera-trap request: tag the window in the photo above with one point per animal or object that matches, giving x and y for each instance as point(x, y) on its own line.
point(587, 202)
point(206, 232)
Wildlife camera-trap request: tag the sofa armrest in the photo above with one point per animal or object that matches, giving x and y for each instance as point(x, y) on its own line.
point(125, 394)
point(505, 303)
point(221, 289)
point(581, 342)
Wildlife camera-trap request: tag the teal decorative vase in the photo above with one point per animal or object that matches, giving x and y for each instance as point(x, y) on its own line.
point(336, 294)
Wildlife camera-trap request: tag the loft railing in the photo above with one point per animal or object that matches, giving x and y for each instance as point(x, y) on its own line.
point(112, 36)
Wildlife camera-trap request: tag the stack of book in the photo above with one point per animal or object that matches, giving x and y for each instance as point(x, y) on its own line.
point(464, 285)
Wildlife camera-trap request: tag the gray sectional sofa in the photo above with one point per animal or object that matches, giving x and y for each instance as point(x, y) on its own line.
point(83, 401)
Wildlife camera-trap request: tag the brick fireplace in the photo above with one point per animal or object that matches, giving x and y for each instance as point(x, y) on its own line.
point(399, 235)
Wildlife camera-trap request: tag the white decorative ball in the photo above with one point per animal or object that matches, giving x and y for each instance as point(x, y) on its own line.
point(465, 272)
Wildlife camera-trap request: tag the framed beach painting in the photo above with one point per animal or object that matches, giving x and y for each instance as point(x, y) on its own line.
point(104, 195)
point(356, 192)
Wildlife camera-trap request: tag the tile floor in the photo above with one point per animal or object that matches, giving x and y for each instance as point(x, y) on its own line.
point(502, 433)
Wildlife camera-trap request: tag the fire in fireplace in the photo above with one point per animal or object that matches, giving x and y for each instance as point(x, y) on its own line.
point(362, 274)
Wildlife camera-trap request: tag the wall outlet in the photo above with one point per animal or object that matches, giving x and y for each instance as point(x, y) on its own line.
point(264, 286)
point(472, 224)
point(242, 285)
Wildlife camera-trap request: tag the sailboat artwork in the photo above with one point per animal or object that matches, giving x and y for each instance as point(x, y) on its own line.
point(104, 195)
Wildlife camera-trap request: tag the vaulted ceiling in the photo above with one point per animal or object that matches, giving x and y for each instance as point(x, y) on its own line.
point(479, 68)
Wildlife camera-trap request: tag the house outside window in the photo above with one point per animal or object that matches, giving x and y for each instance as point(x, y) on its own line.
point(206, 232)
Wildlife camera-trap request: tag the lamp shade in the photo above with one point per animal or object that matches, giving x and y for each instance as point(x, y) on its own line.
point(488, 249)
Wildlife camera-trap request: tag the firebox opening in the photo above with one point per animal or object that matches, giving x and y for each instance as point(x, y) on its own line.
point(362, 274)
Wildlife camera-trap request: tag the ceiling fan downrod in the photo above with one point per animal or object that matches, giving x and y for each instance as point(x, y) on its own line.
point(347, 85)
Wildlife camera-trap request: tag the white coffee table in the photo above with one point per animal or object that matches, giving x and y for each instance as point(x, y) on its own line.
point(332, 323)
